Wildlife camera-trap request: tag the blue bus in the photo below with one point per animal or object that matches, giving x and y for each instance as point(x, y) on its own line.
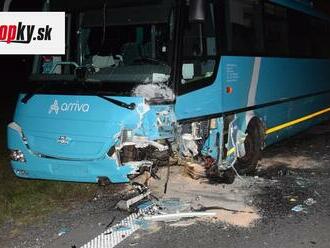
point(209, 81)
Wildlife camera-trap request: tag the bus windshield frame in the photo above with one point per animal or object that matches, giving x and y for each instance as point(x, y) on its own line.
point(101, 45)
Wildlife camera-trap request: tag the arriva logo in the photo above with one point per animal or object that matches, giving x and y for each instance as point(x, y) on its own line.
point(68, 107)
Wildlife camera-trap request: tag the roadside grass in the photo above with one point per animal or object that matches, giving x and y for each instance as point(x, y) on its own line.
point(26, 201)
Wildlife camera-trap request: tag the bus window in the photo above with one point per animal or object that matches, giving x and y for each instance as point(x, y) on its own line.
point(320, 38)
point(299, 26)
point(242, 26)
point(275, 30)
point(199, 48)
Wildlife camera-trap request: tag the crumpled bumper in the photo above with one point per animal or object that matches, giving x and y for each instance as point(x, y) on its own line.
point(36, 167)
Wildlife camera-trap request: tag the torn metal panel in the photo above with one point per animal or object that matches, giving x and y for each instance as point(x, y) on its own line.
point(191, 136)
point(213, 145)
point(235, 144)
point(141, 110)
point(189, 147)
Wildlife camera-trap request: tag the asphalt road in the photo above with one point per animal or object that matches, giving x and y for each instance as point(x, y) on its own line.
point(299, 169)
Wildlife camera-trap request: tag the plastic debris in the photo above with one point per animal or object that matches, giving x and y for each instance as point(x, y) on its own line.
point(299, 208)
point(63, 231)
point(310, 202)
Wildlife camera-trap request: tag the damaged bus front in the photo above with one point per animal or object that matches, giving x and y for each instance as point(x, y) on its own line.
point(104, 111)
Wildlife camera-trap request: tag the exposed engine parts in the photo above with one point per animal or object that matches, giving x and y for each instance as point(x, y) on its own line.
point(131, 153)
point(193, 136)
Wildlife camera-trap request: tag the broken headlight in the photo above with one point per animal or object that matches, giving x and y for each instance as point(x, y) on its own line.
point(17, 156)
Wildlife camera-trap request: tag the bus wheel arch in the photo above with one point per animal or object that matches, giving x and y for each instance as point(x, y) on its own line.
point(254, 143)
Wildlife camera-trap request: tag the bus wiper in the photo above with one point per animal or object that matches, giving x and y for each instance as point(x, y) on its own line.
point(30, 94)
point(130, 106)
point(27, 97)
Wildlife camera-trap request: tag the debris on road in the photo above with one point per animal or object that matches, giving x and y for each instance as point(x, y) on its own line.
point(178, 216)
point(63, 231)
point(126, 204)
point(292, 199)
point(299, 208)
point(229, 202)
point(302, 182)
point(195, 170)
point(309, 202)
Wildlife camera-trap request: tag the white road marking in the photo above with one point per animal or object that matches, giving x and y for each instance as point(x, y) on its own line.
point(118, 233)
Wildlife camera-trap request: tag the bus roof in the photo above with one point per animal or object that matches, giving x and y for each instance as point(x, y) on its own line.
point(305, 6)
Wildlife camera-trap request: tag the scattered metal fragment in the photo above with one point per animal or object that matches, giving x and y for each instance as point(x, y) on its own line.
point(125, 205)
point(178, 216)
point(310, 202)
point(202, 208)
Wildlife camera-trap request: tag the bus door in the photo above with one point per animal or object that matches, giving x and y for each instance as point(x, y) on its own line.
point(198, 94)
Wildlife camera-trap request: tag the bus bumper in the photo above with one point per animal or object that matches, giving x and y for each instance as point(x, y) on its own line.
point(32, 166)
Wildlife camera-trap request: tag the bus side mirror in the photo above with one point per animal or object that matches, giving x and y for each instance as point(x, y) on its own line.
point(197, 11)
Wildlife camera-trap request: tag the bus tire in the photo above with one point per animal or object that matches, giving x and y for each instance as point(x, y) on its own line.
point(229, 176)
point(253, 148)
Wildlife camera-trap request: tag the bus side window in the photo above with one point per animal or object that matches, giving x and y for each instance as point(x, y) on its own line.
point(299, 34)
point(243, 24)
point(199, 48)
point(320, 38)
point(276, 30)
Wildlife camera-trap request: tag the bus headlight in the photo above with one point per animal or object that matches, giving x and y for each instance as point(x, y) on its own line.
point(17, 155)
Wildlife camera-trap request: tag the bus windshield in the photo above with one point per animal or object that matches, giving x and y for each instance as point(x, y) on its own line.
point(111, 46)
